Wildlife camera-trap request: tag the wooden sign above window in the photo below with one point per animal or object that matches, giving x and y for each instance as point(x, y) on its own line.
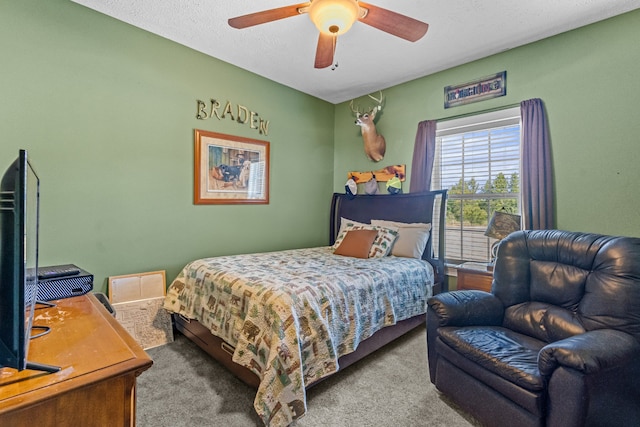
point(477, 90)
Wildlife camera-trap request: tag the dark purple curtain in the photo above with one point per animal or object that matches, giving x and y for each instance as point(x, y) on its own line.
point(537, 184)
point(423, 154)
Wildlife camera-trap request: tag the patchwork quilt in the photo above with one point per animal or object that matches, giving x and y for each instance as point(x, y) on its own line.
point(291, 314)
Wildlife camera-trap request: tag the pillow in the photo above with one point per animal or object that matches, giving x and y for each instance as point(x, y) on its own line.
point(344, 223)
point(412, 237)
point(356, 243)
point(384, 241)
point(381, 245)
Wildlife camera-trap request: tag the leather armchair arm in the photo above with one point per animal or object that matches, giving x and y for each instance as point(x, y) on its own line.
point(589, 353)
point(467, 308)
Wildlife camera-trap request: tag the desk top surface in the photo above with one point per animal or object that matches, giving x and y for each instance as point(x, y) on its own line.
point(85, 341)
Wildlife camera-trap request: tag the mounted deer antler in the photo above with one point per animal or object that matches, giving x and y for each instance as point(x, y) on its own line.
point(374, 144)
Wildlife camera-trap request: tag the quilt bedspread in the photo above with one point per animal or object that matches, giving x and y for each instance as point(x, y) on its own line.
point(291, 314)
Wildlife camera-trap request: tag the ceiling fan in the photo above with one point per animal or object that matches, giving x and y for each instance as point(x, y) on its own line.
point(335, 17)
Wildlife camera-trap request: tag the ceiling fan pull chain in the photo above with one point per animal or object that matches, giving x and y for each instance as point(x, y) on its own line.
point(334, 53)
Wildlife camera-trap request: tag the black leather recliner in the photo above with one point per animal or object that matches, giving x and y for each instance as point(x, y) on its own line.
point(555, 343)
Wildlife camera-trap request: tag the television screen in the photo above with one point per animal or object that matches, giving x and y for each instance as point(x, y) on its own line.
point(30, 239)
point(19, 217)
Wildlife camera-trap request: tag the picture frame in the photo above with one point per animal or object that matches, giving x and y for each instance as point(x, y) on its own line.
point(230, 169)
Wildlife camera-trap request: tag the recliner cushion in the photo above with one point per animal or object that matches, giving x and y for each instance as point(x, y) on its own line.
point(506, 353)
point(531, 401)
point(543, 321)
point(558, 284)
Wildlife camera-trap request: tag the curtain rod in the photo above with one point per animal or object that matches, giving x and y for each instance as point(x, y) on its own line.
point(460, 116)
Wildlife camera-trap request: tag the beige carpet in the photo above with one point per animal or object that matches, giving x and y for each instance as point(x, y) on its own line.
point(185, 387)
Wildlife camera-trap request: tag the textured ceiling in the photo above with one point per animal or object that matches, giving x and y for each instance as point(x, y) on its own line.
point(460, 31)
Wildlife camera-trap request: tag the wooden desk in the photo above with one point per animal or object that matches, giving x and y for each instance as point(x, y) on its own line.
point(474, 279)
point(96, 385)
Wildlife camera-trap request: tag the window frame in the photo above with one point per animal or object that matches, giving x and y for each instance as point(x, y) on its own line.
point(464, 125)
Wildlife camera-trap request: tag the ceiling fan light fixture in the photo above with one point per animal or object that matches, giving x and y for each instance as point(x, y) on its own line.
point(334, 17)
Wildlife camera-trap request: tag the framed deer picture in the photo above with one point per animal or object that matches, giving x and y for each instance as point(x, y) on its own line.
point(230, 169)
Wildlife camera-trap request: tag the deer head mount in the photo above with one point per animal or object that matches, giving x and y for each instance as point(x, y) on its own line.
point(374, 144)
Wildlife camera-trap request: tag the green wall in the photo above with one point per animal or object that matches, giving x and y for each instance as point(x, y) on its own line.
point(107, 113)
point(589, 80)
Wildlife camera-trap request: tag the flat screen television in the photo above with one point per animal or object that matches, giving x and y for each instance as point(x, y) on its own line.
point(19, 220)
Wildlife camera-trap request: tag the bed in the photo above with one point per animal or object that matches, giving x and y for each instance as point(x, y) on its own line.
point(285, 320)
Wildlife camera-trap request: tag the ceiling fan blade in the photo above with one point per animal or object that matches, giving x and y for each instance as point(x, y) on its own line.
point(265, 16)
point(325, 50)
point(393, 23)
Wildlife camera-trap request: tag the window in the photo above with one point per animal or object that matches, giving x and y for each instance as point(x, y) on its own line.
point(478, 160)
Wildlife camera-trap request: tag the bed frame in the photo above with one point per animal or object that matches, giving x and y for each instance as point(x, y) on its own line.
point(411, 207)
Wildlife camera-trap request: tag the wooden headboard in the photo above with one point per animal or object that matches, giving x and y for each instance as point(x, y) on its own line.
point(410, 207)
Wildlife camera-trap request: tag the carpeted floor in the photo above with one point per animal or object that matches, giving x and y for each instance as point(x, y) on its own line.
point(185, 387)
